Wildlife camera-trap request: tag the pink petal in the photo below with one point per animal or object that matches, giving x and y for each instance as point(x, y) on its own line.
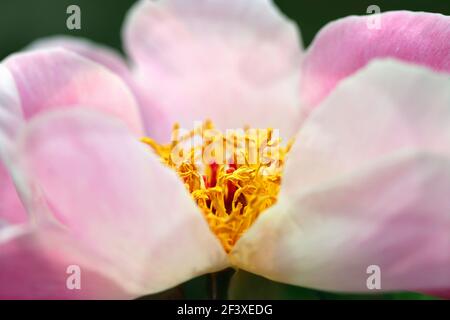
point(235, 62)
point(444, 294)
point(116, 198)
point(366, 183)
point(387, 107)
point(34, 265)
point(106, 57)
point(394, 215)
point(56, 78)
point(11, 120)
point(11, 208)
point(101, 54)
point(345, 46)
point(11, 116)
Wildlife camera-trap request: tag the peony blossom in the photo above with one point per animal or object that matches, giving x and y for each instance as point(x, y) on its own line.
point(366, 182)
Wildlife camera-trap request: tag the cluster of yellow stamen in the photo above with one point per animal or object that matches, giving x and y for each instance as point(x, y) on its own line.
point(238, 180)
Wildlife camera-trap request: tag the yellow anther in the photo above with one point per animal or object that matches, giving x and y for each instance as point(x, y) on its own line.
point(234, 187)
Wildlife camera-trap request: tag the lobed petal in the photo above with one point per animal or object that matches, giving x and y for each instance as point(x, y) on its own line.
point(11, 120)
point(234, 62)
point(114, 197)
point(387, 107)
point(56, 78)
point(347, 45)
point(366, 183)
point(11, 207)
point(394, 215)
point(103, 55)
point(37, 264)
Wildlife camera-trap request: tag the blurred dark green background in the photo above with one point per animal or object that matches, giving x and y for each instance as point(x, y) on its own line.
point(22, 21)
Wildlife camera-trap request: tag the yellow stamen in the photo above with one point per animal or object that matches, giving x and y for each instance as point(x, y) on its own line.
point(239, 180)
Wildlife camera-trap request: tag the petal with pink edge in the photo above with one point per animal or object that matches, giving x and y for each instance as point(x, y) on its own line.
point(115, 197)
point(57, 78)
point(39, 264)
point(11, 116)
point(11, 207)
point(345, 46)
point(101, 54)
point(386, 107)
point(444, 294)
point(11, 120)
point(394, 215)
point(234, 62)
point(350, 195)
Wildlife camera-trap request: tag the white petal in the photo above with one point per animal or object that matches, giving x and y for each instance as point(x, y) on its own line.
point(11, 117)
point(11, 121)
point(57, 78)
point(235, 62)
point(116, 198)
point(351, 198)
point(45, 264)
point(387, 107)
point(395, 216)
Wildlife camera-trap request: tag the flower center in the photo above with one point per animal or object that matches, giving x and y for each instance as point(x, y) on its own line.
point(232, 176)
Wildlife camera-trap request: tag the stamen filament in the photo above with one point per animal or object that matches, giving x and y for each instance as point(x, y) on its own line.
point(233, 191)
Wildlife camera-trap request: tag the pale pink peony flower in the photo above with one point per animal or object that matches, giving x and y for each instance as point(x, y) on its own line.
point(366, 183)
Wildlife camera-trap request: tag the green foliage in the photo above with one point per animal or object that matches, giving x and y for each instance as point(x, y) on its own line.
point(241, 285)
point(246, 285)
